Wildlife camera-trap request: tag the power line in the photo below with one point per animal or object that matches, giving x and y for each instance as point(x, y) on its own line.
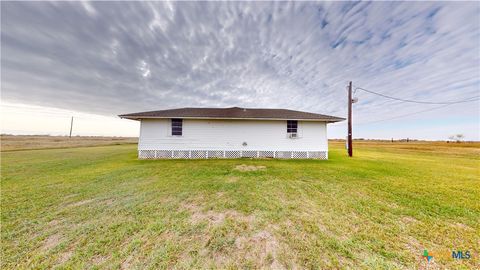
point(474, 98)
point(408, 114)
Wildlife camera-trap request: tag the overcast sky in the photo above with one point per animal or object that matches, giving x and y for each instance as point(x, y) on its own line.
point(96, 60)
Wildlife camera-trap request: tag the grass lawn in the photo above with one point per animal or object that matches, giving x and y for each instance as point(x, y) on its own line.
point(100, 207)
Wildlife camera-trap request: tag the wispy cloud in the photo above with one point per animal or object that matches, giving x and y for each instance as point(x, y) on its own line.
point(112, 58)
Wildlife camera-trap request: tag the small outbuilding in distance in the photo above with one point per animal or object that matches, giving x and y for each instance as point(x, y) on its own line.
point(232, 133)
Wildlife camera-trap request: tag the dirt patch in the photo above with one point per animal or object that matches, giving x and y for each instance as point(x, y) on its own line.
point(51, 241)
point(216, 218)
point(54, 223)
point(127, 263)
point(64, 257)
point(99, 259)
point(250, 245)
point(249, 168)
point(108, 201)
point(264, 248)
point(81, 203)
point(409, 220)
point(462, 226)
point(210, 216)
point(414, 246)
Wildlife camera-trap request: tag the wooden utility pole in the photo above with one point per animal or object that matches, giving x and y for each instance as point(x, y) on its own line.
point(71, 126)
point(349, 143)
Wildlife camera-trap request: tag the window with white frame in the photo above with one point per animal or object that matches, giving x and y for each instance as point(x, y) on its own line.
point(292, 126)
point(177, 127)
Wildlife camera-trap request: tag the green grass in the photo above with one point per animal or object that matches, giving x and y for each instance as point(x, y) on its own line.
point(100, 207)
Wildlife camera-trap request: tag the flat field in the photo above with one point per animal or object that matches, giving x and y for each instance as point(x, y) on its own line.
point(29, 142)
point(101, 208)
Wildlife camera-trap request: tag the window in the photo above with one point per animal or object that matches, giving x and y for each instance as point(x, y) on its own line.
point(177, 127)
point(292, 126)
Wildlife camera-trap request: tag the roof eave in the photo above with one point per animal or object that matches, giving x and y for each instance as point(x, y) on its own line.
point(138, 118)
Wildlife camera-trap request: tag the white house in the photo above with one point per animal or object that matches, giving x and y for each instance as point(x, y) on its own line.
point(232, 133)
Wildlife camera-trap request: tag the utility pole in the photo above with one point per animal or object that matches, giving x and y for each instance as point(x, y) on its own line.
point(71, 126)
point(349, 143)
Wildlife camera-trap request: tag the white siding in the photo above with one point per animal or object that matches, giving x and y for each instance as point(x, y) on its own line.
point(260, 135)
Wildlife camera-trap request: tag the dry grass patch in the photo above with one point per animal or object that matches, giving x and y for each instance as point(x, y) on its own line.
point(262, 248)
point(463, 226)
point(79, 203)
point(51, 242)
point(54, 223)
point(214, 217)
point(232, 179)
point(249, 168)
point(127, 263)
point(233, 239)
point(65, 256)
point(70, 196)
point(409, 220)
point(108, 201)
point(99, 259)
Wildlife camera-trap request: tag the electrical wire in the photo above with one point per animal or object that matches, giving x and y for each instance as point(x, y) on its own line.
point(474, 98)
point(408, 114)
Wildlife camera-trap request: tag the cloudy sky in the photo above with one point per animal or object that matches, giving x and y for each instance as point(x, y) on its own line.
point(95, 60)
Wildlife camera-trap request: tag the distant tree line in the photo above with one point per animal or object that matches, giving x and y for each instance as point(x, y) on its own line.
point(456, 138)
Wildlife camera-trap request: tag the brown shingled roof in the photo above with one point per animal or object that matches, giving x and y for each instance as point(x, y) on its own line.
point(233, 113)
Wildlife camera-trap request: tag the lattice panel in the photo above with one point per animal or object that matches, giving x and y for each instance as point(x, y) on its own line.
point(299, 154)
point(181, 154)
point(266, 154)
point(164, 154)
point(318, 154)
point(249, 154)
point(198, 154)
point(146, 154)
point(284, 154)
point(232, 154)
point(215, 154)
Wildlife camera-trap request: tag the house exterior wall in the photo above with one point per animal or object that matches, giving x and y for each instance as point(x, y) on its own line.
point(225, 138)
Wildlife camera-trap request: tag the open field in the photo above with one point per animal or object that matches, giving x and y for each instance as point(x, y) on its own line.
point(27, 142)
point(100, 207)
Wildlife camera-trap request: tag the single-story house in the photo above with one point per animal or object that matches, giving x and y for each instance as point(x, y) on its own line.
point(232, 133)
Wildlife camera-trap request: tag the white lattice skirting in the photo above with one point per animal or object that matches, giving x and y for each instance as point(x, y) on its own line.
point(202, 154)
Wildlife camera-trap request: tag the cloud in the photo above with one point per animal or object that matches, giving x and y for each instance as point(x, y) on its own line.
point(119, 57)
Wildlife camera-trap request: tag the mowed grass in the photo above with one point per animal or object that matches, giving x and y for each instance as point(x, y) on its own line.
point(101, 208)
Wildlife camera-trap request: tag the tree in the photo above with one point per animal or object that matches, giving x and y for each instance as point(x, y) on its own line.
point(460, 137)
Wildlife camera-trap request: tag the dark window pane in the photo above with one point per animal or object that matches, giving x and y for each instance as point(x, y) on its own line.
point(177, 127)
point(292, 126)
